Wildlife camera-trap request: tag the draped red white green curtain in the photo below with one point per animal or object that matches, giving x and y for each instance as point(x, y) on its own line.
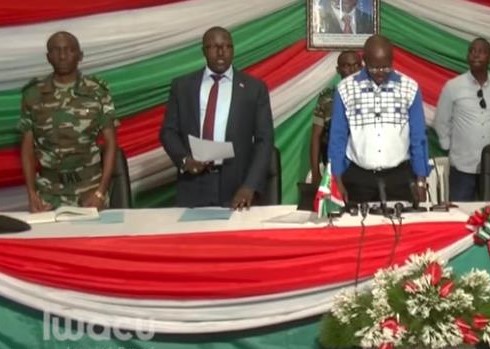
point(147, 43)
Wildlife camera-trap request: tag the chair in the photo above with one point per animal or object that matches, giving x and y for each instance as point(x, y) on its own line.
point(273, 190)
point(484, 190)
point(120, 187)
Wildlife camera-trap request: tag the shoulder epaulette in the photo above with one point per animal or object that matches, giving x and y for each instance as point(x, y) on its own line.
point(32, 82)
point(101, 82)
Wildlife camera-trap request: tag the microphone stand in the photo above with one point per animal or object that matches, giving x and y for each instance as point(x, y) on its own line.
point(397, 231)
point(364, 212)
point(382, 210)
point(439, 206)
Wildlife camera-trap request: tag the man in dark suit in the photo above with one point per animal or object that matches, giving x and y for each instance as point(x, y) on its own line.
point(343, 17)
point(242, 115)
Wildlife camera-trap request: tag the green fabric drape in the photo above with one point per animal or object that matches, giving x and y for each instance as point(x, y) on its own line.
point(423, 39)
point(145, 84)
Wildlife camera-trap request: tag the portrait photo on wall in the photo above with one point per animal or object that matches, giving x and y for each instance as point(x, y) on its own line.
point(338, 24)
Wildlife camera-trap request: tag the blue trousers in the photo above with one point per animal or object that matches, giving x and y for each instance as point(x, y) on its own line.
point(463, 186)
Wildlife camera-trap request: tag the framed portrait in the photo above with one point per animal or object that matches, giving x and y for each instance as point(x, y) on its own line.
point(341, 24)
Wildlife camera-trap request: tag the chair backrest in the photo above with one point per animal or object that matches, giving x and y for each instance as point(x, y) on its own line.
point(485, 174)
point(273, 190)
point(120, 187)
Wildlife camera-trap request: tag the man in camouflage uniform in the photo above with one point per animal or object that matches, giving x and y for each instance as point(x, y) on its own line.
point(348, 63)
point(61, 117)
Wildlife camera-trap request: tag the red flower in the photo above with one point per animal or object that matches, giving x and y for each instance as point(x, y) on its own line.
point(410, 287)
point(478, 240)
point(462, 325)
point(470, 337)
point(386, 346)
point(434, 270)
point(480, 321)
point(446, 288)
point(478, 219)
point(486, 211)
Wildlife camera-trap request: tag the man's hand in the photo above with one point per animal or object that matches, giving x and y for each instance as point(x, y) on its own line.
point(92, 200)
point(36, 204)
point(342, 190)
point(316, 177)
point(242, 199)
point(421, 189)
point(193, 166)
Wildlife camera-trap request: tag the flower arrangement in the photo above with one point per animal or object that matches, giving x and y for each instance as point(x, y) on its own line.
point(479, 224)
point(419, 305)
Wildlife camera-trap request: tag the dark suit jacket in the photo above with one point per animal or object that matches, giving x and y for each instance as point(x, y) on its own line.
point(249, 128)
point(364, 23)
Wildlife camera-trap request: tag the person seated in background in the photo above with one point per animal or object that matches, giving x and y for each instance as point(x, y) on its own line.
point(377, 133)
point(462, 122)
point(61, 117)
point(219, 103)
point(348, 63)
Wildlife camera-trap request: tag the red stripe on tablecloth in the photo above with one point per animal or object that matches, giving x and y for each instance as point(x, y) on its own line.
point(216, 265)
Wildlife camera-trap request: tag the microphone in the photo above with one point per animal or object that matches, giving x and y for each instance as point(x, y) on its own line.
point(382, 209)
point(364, 212)
point(398, 210)
point(12, 225)
point(439, 206)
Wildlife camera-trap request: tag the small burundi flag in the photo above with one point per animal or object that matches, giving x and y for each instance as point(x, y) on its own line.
point(328, 198)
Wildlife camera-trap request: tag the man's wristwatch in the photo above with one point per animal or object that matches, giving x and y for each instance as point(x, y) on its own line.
point(99, 195)
point(421, 184)
point(182, 165)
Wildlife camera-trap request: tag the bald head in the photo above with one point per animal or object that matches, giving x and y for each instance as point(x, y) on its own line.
point(63, 34)
point(378, 56)
point(64, 55)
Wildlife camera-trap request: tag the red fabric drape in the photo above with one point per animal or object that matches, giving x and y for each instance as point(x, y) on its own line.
point(481, 2)
point(139, 133)
point(31, 11)
point(217, 265)
point(430, 77)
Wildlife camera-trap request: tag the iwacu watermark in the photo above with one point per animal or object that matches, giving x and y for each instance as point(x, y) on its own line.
point(62, 328)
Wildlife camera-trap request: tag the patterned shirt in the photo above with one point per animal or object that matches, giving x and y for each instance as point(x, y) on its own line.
point(378, 127)
point(65, 121)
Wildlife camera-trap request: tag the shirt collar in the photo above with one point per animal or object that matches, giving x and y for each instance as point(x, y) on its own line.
point(228, 74)
point(363, 75)
point(474, 81)
point(339, 13)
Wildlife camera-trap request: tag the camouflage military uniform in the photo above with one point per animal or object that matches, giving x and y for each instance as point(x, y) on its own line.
point(322, 115)
point(65, 121)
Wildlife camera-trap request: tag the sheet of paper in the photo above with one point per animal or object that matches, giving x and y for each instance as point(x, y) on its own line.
point(106, 217)
point(205, 214)
point(206, 150)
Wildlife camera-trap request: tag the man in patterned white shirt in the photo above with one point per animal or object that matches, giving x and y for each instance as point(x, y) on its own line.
point(377, 135)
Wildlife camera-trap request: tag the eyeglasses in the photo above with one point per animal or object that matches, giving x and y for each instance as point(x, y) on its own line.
point(385, 70)
point(483, 103)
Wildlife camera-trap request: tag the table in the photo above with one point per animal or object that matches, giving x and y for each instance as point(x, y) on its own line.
point(298, 282)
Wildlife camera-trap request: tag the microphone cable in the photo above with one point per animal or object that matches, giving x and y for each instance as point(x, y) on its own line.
point(364, 212)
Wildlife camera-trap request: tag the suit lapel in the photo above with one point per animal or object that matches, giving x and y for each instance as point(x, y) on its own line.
point(195, 91)
point(237, 92)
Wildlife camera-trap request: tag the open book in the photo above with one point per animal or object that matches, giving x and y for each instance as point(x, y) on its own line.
point(62, 214)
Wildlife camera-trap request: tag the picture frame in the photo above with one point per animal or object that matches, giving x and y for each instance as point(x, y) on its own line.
point(329, 28)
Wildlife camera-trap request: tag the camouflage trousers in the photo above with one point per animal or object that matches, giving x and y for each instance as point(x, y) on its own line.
point(68, 188)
